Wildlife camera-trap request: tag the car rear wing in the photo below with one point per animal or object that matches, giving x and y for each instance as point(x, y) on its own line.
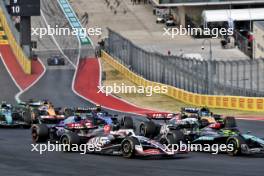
point(84, 110)
point(162, 116)
point(190, 110)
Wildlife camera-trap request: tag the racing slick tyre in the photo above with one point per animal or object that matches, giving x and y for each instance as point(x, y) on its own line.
point(16, 116)
point(128, 122)
point(204, 123)
point(230, 122)
point(39, 132)
point(68, 112)
point(26, 116)
point(148, 129)
point(128, 147)
point(2, 118)
point(70, 138)
point(236, 142)
point(34, 113)
point(173, 137)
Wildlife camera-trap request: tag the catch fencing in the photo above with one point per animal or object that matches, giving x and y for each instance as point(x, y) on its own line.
point(212, 101)
point(215, 77)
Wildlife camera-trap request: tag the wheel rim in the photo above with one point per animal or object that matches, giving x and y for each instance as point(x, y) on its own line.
point(233, 142)
point(65, 140)
point(127, 147)
point(34, 134)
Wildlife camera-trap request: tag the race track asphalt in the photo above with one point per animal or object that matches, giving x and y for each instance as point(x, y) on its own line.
point(18, 159)
point(7, 87)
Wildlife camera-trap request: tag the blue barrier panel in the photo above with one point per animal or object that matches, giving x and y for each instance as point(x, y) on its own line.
point(74, 22)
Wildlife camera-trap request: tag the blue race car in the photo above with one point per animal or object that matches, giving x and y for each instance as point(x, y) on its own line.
point(82, 123)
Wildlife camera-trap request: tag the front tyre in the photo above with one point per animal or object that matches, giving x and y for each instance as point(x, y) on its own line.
point(128, 147)
point(235, 142)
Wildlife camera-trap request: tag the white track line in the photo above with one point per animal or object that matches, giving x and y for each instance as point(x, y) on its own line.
point(76, 70)
point(21, 91)
point(17, 97)
point(55, 41)
point(9, 72)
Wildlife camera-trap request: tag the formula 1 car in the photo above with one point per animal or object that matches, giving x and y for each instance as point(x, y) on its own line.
point(126, 143)
point(204, 115)
point(55, 61)
point(44, 112)
point(83, 122)
point(241, 144)
point(111, 138)
point(214, 134)
point(11, 116)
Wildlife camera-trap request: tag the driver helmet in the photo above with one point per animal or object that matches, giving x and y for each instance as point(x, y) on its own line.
point(77, 118)
point(4, 105)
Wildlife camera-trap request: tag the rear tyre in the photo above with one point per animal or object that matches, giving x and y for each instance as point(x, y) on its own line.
point(148, 129)
point(230, 122)
point(235, 142)
point(204, 123)
point(173, 137)
point(128, 147)
point(128, 123)
point(34, 114)
point(26, 116)
point(70, 139)
point(39, 133)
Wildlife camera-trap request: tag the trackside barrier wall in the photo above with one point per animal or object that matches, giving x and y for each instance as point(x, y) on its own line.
point(9, 20)
point(212, 101)
point(20, 55)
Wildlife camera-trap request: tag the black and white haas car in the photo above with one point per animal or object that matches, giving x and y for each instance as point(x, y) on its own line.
point(126, 143)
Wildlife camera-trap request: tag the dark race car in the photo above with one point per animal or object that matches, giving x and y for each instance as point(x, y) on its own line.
point(83, 122)
point(216, 133)
point(11, 116)
point(238, 143)
point(126, 143)
point(112, 138)
point(56, 61)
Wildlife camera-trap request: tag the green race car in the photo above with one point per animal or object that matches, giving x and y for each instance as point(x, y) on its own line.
point(14, 116)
